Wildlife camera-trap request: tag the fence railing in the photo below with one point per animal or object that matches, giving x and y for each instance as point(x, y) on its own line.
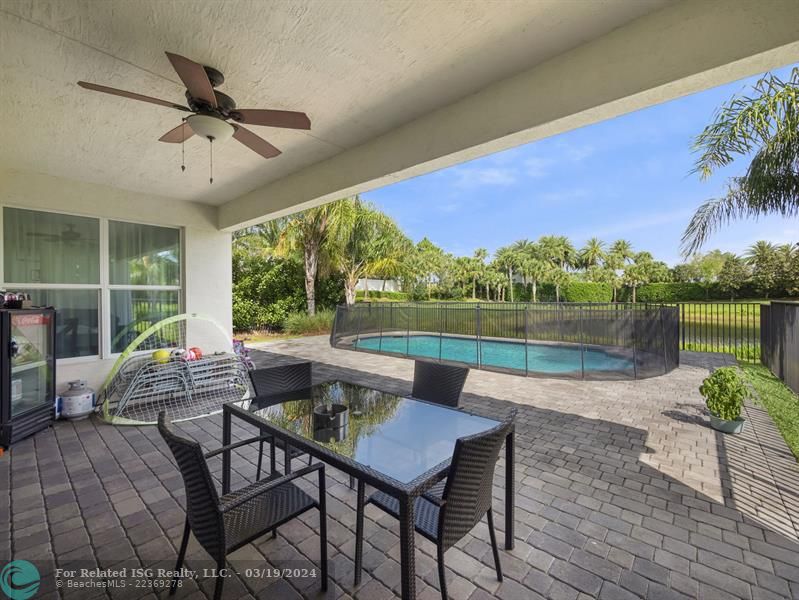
point(779, 325)
point(599, 341)
point(727, 327)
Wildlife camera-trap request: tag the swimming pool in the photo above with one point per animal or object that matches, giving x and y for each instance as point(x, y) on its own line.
point(552, 359)
point(572, 341)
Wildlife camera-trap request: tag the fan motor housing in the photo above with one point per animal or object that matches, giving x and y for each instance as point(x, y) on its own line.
point(224, 104)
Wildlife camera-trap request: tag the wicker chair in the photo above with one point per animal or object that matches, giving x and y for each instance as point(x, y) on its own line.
point(224, 524)
point(438, 383)
point(450, 509)
point(275, 380)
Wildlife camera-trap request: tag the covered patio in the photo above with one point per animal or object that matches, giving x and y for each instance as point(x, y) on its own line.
point(622, 491)
point(621, 488)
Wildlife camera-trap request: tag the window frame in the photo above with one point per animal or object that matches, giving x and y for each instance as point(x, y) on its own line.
point(104, 287)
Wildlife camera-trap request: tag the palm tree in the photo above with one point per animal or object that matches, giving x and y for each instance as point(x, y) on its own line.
point(558, 277)
point(535, 270)
point(509, 259)
point(592, 253)
point(759, 253)
point(360, 243)
point(764, 123)
point(558, 250)
point(307, 233)
point(623, 250)
point(477, 268)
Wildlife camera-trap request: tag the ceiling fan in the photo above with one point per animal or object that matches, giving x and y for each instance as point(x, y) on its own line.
point(67, 235)
point(212, 111)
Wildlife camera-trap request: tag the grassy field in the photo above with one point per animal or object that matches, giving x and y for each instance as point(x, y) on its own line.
point(731, 327)
point(780, 402)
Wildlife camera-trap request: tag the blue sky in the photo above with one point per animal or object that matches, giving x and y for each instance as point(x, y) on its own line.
point(624, 178)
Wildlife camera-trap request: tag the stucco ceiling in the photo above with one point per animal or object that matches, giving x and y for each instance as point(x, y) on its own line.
point(358, 68)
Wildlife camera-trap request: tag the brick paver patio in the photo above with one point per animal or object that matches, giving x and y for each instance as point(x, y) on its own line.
point(623, 491)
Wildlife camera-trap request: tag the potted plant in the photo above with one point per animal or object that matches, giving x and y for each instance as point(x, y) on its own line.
point(724, 392)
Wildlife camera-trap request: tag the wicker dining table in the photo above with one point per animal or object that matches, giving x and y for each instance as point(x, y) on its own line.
point(400, 446)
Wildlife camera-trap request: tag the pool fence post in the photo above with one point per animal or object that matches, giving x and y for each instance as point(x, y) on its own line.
point(663, 341)
point(635, 358)
point(380, 342)
point(582, 349)
point(441, 328)
point(358, 327)
point(478, 331)
point(408, 336)
point(526, 333)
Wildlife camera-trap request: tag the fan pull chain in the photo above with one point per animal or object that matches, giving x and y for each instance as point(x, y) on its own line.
point(212, 158)
point(183, 147)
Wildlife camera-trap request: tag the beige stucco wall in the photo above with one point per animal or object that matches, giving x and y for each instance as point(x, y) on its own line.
point(207, 251)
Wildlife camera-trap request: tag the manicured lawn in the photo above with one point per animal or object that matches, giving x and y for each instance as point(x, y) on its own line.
point(722, 327)
point(780, 402)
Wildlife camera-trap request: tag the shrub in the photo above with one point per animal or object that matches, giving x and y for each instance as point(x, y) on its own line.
point(724, 392)
point(683, 292)
point(586, 291)
point(246, 314)
point(669, 292)
point(267, 289)
point(380, 295)
point(301, 323)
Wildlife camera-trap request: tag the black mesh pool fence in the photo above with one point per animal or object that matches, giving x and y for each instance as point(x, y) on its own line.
point(582, 341)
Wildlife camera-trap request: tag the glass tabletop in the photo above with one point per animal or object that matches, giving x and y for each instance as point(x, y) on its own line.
point(399, 437)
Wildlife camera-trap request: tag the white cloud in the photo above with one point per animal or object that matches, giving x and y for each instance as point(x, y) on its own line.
point(537, 167)
point(476, 176)
point(563, 195)
point(643, 222)
point(575, 153)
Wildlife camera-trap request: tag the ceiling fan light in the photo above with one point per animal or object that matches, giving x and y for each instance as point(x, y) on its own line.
point(210, 127)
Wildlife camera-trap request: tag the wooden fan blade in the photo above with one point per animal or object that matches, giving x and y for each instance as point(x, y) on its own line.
point(273, 118)
point(177, 135)
point(255, 143)
point(132, 95)
point(194, 77)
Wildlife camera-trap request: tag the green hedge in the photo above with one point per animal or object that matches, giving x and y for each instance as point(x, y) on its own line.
point(667, 292)
point(586, 291)
point(683, 292)
point(378, 295)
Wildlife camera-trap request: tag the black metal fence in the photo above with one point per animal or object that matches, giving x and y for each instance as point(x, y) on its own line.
point(587, 341)
point(729, 327)
point(779, 327)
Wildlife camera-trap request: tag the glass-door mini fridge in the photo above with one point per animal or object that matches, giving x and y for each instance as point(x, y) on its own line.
point(27, 372)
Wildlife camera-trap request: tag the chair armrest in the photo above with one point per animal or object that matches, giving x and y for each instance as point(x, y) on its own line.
point(260, 438)
point(269, 484)
point(431, 497)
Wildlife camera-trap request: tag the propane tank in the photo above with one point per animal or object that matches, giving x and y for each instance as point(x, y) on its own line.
point(78, 401)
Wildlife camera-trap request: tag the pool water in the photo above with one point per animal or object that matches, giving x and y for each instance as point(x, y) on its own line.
point(541, 358)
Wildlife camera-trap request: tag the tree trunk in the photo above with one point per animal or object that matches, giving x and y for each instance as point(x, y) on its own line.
point(349, 290)
point(557, 293)
point(383, 287)
point(634, 294)
point(474, 288)
point(366, 288)
point(311, 257)
point(510, 282)
point(535, 291)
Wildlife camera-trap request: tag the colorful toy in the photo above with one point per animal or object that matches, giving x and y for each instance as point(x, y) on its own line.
point(161, 356)
point(182, 380)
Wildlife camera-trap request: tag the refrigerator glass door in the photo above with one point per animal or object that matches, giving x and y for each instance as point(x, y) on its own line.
point(31, 361)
